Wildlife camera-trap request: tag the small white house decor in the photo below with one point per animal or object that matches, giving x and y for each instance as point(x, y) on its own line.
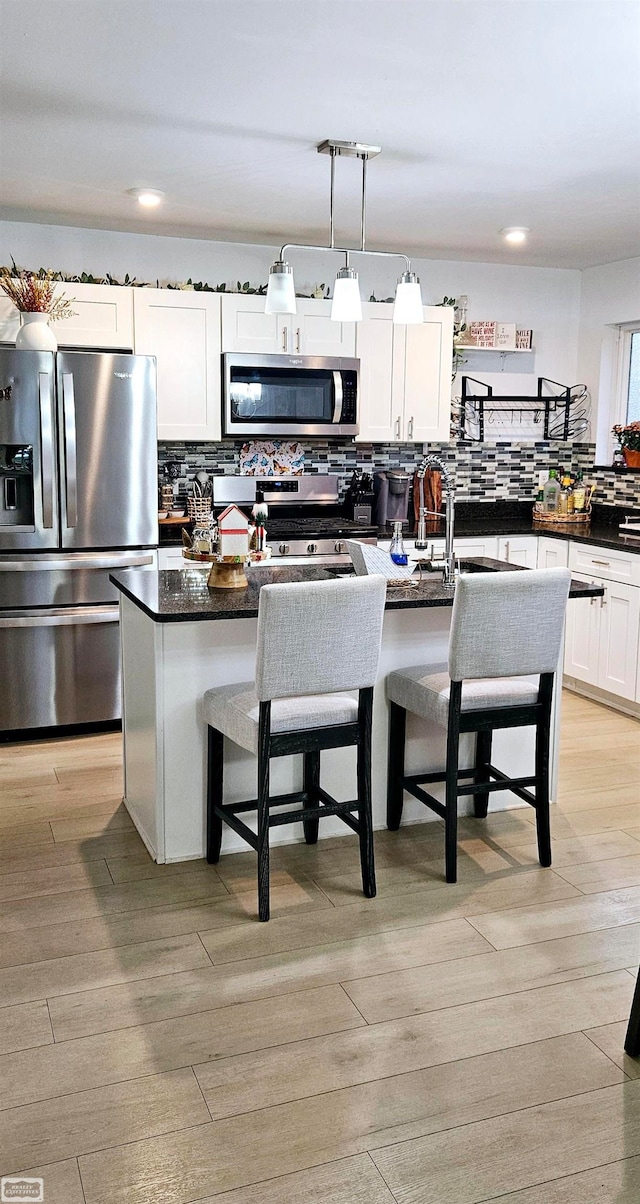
point(233, 534)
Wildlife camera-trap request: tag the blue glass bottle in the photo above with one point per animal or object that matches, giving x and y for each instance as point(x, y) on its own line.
point(396, 551)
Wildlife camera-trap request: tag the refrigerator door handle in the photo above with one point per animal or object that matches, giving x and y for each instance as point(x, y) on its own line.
point(46, 444)
point(69, 415)
point(80, 560)
point(61, 617)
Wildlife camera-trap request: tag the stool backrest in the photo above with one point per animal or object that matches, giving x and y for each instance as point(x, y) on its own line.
point(507, 624)
point(317, 637)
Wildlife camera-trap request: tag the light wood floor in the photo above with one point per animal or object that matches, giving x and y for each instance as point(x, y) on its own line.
point(436, 1045)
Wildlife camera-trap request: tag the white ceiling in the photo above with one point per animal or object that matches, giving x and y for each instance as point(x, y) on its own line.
point(491, 113)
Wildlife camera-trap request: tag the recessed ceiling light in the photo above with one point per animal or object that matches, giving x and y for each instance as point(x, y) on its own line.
point(515, 234)
point(148, 197)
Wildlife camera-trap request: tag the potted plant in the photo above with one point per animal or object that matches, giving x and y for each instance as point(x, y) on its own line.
point(33, 295)
point(629, 439)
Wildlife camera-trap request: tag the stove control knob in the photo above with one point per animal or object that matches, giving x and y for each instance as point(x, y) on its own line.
point(341, 547)
point(312, 547)
point(283, 549)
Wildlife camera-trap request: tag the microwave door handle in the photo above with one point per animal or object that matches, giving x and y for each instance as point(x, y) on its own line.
point(337, 393)
point(69, 414)
point(46, 448)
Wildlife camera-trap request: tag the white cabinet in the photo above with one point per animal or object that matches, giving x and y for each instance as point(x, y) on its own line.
point(310, 331)
point(582, 637)
point(405, 376)
point(603, 634)
point(519, 549)
point(552, 553)
point(103, 317)
point(182, 330)
point(478, 545)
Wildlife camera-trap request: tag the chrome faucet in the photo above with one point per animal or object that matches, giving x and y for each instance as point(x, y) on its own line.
point(448, 563)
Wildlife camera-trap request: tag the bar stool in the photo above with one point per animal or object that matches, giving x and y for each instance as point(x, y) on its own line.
point(316, 641)
point(632, 1039)
point(504, 625)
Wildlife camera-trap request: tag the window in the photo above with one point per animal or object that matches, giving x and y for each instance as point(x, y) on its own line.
point(632, 384)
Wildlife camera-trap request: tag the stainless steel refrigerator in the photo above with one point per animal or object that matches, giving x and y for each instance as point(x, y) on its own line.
point(78, 498)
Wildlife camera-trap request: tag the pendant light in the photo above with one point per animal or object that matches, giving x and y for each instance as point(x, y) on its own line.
point(346, 304)
point(281, 293)
point(407, 308)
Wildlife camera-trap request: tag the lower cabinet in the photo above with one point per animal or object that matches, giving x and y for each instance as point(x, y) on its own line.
point(552, 553)
point(602, 638)
point(519, 549)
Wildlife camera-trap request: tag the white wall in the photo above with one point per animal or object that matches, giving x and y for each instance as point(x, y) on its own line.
point(545, 299)
point(609, 296)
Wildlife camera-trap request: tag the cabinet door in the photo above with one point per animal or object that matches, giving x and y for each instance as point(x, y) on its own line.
point(552, 553)
point(103, 317)
point(246, 327)
point(619, 635)
point(582, 638)
point(313, 332)
point(485, 545)
point(427, 377)
point(182, 330)
point(519, 549)
point(380, 349)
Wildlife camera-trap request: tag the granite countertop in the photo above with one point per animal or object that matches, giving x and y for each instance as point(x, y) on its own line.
point(182, 595)
point(516, 518)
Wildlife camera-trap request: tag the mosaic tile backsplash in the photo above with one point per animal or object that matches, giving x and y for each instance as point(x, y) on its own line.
point(483, 471)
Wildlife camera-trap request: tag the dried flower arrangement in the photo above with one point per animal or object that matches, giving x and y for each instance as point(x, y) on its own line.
point(33, 292)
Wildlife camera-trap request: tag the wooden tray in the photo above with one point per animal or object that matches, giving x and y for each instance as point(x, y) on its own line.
point(569, 520)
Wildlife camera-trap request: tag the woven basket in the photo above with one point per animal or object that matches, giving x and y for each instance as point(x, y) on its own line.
point(570, 520)
point(199, 510)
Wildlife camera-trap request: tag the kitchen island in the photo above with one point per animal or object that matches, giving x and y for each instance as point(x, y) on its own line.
point(179, 638)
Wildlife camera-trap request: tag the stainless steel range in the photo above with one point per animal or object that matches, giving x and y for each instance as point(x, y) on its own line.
point(305, 519)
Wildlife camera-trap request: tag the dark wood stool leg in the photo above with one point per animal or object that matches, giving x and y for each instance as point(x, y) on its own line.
point(365, 819)
point(395, 769)
point(263, 810)
point(632, 1039)
point(215, 775)
point(482, 762)
point(543, 734)
point(451, 784)
point(311, 778)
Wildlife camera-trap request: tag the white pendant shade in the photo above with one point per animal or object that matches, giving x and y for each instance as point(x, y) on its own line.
point(346, 305)
point(281, 293)
point(407, 309)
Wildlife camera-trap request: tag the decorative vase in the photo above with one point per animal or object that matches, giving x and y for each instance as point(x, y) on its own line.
point(631, 458)
point(35, 334)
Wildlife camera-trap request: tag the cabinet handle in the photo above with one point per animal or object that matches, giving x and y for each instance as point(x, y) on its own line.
point(605, 563)
point(507, 547)
point(284, 339)
point(410, 429)
point(397, 428)
point(298, 339)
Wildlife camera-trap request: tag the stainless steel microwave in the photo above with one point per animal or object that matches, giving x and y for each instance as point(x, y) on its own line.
point(306, 395)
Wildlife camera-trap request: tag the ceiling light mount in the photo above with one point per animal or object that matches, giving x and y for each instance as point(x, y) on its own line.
point(515, 234)
point(347, 305)
point(149, 198)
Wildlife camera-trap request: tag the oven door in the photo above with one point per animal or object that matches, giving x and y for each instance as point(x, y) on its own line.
point(283, 395)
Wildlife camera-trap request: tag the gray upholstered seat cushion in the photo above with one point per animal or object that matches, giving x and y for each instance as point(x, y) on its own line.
point(424, 690)
point(234, 710)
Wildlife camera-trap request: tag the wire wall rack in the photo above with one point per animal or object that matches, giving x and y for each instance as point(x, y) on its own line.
point(554, 412)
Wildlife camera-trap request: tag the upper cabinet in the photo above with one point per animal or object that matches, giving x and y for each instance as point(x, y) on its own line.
point(103, 317)
point(182, 330)
point(310, 331)
point(405, 376)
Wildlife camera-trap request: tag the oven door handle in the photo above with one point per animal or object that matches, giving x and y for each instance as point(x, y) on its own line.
point(337, 398)
point(60, 617)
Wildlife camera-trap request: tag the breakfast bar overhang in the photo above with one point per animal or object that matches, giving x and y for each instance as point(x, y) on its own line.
point(179, 638)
